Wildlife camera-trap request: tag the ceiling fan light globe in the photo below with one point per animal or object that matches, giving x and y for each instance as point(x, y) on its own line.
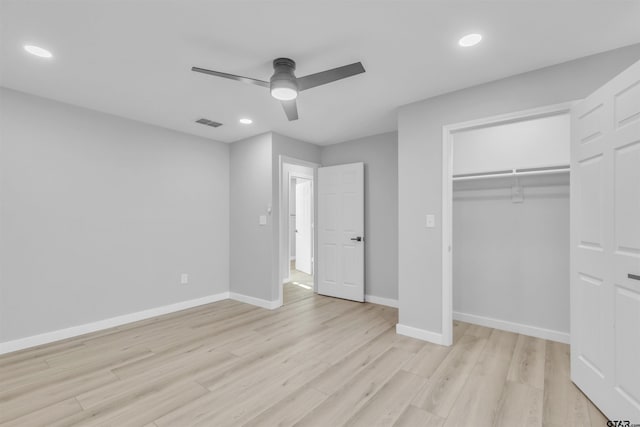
point(284, 93)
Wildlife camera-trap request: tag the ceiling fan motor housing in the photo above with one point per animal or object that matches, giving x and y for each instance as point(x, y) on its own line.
point(283, 75)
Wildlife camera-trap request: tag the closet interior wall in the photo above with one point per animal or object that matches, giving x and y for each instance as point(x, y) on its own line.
point(511, 233)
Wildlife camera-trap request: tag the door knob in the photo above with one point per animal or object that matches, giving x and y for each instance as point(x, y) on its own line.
point(357, 239)
point(633, 276)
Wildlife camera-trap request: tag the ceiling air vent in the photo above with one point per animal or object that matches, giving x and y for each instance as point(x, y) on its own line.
point(208, 122)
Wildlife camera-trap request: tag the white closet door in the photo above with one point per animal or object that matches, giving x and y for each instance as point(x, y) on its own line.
point(605, 246)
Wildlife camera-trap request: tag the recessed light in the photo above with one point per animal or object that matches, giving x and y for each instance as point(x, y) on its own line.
point(38, 51)
point(246, 121)
point(470, 40)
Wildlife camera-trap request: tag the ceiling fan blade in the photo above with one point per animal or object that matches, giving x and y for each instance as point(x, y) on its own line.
point(324, 77)
point(290, 109)
point(232, 77)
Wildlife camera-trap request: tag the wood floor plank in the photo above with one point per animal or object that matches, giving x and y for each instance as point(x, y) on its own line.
point(233, 399)
point(444, 386)
point(427, 360)
point(7, 361)
point(273, 391)
point(183, 366)
point(410, 345)
point(284, 335)
point(416, 417)
point(14, 406)
point(528, 362)
point(478, 331)
point(459, 329)
point(478, 399)
point(355, 339)
point(143, 409)
point(55, 374)
point(563, 403)
point(346, 368)
point(251, 368)
point(386, 406)
point(22, 370)
point(45, 416)
point(345, 402)
point(502, 344)
point(520, 405)
point(289, 410)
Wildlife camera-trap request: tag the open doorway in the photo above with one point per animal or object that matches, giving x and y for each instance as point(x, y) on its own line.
point(300, 283)
point(298, 237)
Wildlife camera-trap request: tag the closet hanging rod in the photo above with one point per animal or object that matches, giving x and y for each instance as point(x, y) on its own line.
point(513, 172)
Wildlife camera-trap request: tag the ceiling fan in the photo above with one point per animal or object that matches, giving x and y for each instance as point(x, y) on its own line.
point(284, 84)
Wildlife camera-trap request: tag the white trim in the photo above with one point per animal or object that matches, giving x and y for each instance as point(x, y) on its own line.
point(420, 334)
point(447, 193)
point(389, 302)
point(519, 328)
point(270, 305)
point(74, 331)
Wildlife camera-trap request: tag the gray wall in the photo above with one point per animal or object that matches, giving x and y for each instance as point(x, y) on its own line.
point(420, 163)
point(100, 215)
point(250, 196)
point(380, 156)
point(511, 260)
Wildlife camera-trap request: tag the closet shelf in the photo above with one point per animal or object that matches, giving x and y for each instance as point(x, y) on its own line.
point(513, 172)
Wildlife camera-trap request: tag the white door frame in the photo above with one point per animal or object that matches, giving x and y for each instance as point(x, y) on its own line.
point(447, 195)
point(283, 203)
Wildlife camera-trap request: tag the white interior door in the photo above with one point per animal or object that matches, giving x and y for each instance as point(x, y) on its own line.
point(341, 231)
point(605, 246)
point(303, 225)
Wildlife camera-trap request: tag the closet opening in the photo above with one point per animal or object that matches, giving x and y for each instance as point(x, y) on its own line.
point(506, 185)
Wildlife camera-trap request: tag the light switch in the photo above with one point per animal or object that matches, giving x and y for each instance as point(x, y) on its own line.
point(262, 220)
point(431, 221)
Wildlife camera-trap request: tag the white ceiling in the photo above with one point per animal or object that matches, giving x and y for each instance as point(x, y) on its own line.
point(132, 58)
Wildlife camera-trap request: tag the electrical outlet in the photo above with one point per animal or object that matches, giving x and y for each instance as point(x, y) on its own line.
point(184, 279)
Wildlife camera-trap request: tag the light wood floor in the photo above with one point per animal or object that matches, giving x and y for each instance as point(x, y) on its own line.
point(316, 361)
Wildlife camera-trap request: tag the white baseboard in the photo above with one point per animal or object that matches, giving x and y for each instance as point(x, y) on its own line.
point(421, 334)
point(74, 331)
point(271, 305)
point(534, 331)
point(382, 301)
